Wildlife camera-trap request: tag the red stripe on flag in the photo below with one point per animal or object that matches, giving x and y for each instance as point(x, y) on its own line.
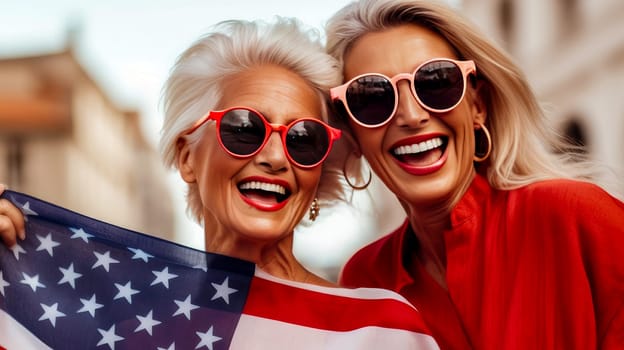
point(290, 304)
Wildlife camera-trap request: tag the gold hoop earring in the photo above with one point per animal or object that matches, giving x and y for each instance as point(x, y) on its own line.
point(481, 156)
point(314, 209)
point(351, 184)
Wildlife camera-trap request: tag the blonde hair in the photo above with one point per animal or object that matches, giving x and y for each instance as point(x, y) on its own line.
point(525, 148)
point(194, 84)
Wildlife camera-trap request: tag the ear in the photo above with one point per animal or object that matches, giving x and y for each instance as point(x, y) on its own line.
point(348, 141)
point(184, 159)
point(479, 108)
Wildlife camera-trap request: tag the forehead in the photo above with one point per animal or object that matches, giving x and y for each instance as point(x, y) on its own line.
point(278, 93)
point(395, 50)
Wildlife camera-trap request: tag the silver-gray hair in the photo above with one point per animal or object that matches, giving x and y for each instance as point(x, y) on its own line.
point(525, 148)
point(194, 85)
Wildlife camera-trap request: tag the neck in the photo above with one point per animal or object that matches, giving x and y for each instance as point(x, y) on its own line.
point(429, 231)
point(430, 222)
point(274, 257)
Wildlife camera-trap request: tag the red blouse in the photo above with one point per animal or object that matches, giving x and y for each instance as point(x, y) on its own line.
point(539, 267)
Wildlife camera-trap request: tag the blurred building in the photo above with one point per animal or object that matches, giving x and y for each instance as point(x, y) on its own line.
point(62, 139)
point(573, 54)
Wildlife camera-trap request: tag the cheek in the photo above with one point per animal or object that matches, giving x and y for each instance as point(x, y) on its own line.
point(462, 127)
point(308, 180)
point(209, 156)
point(459, 121)
point(370, 140)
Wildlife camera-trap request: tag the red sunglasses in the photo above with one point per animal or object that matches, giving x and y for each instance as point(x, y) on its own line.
point(371, 99)
point(243, 132)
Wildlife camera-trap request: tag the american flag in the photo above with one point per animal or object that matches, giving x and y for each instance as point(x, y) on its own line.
point(79, 283)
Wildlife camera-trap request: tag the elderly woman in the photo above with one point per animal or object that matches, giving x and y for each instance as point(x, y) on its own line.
point(245, 111)
point(506, 244)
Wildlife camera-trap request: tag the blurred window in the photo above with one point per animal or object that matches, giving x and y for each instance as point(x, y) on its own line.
point(576, 137)
point(507, 21)
point(15, 162)
point(569, 15)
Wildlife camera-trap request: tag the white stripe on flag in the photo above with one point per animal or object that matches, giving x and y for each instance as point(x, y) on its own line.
point(360, 293)
point(261, 333)
point(15, 337)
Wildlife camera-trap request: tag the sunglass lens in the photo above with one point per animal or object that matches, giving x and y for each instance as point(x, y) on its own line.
point(371, 99)
point(439, 84)
point(242, 131)
point(307, 142)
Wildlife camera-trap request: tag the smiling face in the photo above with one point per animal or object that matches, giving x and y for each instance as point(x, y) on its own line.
point(425, 158)
point(258, 200)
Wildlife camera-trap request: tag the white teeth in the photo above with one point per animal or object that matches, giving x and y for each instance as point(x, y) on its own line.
point(256, 185)
point(419, 147)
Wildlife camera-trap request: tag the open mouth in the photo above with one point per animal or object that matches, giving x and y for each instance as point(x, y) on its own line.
point(423, 153)
point(263, 192)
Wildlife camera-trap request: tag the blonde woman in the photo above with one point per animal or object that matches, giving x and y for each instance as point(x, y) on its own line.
point(507, 245)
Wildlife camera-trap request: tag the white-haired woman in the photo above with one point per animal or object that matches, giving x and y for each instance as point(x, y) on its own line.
point(506, 245)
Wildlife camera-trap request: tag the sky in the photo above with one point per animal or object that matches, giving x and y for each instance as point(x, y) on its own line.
point(128, 46)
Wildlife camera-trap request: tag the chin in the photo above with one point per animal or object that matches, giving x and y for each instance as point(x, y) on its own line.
point(425, 192)
point(266, 230)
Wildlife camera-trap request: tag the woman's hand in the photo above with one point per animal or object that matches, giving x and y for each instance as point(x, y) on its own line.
point(11, 221)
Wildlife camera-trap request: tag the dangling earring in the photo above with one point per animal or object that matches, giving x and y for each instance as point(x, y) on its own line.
point(314, 209)
point(351, 184)
point(479, 155)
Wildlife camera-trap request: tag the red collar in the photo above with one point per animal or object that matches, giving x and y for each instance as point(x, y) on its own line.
point(466, 211)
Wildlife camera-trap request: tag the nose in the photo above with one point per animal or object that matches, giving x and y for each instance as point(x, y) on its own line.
point(273, 155)
point(409, 112)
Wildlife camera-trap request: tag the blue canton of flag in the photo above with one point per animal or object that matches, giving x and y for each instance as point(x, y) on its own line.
point(78, 283)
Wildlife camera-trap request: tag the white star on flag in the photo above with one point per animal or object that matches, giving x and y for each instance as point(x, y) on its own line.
point(50, 313)
point(185, 307)
point(27, 211)
point(69, 276)
point(47, 244)
point(80, 233)
point(163, 277)
point(223, 291)
point(17, 250)
point(3, 284)
point(147, 322)
point(109, 337)
point(89, 306)
point(207, 339)
point(125, 291)
point(139, 254)
point(104, 260)
point(33, 281)
point(171, 347)
point(202, 267)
